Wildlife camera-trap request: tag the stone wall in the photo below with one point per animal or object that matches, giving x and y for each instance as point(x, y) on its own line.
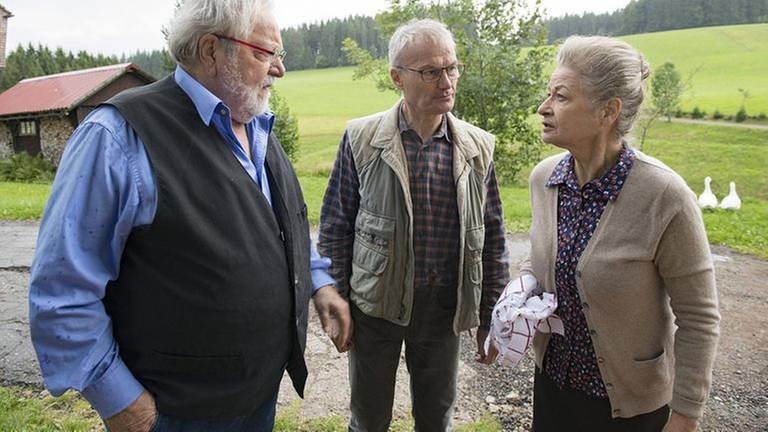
point(6, 141)
point(54, 133)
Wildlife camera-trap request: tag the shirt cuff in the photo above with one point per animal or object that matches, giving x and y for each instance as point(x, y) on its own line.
point(320, 278)
point(114, 391)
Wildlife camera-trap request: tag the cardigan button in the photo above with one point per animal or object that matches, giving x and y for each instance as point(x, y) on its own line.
point(600, 360)
point(617, 411)
point(593, 333)
point(578, 273)
point(608, 386)
point(585, 306)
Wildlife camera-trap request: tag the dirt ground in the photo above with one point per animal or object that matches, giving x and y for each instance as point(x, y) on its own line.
point(738, 400)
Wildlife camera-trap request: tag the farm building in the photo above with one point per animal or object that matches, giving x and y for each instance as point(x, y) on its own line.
point(38, 115)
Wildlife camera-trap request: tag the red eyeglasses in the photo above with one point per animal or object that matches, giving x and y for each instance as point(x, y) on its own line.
point(274, 56)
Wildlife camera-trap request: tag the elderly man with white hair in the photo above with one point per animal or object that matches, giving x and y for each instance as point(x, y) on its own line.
point(174, 264)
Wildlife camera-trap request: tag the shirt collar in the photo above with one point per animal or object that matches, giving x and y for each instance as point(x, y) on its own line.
point(609, 185)
point(207, 103)
point(441, 132)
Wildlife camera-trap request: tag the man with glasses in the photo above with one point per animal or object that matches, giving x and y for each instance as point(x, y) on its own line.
point(413, 225)
point(174, 266)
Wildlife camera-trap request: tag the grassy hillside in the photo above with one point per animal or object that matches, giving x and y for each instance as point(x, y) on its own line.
point(324, 100)
point(727, 58)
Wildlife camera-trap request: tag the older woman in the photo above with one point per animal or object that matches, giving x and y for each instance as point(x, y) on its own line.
point(619, 237)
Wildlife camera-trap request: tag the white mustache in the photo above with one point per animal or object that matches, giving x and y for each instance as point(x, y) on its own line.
point(269, 81)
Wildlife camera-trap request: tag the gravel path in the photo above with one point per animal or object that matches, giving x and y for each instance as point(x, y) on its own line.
point(739, 399)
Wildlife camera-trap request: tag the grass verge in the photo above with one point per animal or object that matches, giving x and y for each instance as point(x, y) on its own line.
point(20, 201)
point(28, 410)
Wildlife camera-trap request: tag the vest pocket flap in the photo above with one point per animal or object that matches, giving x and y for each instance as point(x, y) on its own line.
point(475, 239)
point(368, 259)
point(379, 226)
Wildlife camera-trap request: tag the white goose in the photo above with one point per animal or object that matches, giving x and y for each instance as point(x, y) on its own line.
point(732, 201)
point(707, 200)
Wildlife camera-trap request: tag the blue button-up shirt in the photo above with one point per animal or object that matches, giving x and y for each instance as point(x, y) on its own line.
point(105, 188)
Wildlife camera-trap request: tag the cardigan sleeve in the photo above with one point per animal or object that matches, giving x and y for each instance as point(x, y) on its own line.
point(685, 263)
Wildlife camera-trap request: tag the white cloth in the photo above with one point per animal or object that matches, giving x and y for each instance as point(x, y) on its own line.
point(522, 309)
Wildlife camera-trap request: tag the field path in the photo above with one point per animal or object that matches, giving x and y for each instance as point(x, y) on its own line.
point(718, 123)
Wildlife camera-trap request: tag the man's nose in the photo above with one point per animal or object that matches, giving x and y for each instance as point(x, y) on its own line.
point(277, 69)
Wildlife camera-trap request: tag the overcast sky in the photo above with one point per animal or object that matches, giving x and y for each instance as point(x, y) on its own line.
point(123, 27)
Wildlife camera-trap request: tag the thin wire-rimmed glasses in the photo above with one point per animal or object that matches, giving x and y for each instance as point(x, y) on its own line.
point(274, 56)
point(430, 75)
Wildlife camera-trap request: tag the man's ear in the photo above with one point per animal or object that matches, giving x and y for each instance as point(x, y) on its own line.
point(394, 74)
point(207, 52)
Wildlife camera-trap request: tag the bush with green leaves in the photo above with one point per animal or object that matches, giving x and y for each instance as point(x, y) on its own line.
point(502, 47)
point(286, 126)
point(697, 113)
point(666, 89)
point(22, 167)
point(717, 115)
point(741, 115)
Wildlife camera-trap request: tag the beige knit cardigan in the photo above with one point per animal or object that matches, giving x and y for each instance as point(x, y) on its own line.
point(647, 287)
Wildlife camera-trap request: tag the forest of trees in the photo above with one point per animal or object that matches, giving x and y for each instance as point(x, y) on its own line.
point(32, 61)
point(309, 46)
point(319, 45)
point(645, 16)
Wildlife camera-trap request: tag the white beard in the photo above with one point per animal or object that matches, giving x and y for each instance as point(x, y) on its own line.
point(247, 102)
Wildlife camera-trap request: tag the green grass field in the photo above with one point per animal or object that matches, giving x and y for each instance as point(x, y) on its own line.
point(694, 151)
point(324, 100)
point(727, 58)
point(22, 200)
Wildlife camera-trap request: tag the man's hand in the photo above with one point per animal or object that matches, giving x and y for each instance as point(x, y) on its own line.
point(481, 356)
point(334, 316)
point(680, 423)
point(138, 417)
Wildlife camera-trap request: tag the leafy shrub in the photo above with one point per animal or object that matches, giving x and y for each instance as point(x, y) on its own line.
point(762, 116)
point(22, 167)
point(286, 126)
point(697, 113)
point(741, 115)
point(679, 113)
point(717, 115)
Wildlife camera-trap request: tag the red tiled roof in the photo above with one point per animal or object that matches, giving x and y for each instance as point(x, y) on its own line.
point(60, 92)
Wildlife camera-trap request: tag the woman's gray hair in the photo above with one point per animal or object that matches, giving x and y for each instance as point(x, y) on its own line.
point(609, 68)
point(418, 30)
point(196, 18)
